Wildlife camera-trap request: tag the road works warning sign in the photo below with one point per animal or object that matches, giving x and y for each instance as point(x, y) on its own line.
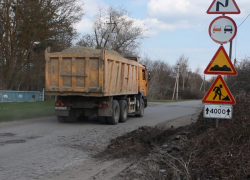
point(220, 64)
point(219, 93)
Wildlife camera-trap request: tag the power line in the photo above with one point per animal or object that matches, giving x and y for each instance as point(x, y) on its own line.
point(244, 20)
point(94, 10)
point(236, 35)
point(90, 5)
point(176, 55)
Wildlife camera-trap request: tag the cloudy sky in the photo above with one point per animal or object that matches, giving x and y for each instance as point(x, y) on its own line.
point(177, 27)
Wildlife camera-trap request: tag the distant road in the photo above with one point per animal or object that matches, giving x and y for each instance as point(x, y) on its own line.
point(42, 148)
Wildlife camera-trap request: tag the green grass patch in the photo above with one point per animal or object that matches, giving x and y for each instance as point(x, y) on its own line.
point(26, 110)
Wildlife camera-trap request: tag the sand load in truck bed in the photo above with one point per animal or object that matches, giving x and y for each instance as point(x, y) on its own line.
point(90, 72)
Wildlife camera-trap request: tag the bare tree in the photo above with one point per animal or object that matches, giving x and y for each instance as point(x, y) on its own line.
point(115, 28)
point(240, 84)
point(161, 83)
point(27, 27)
point(195, 80)
point(163, 77)
point(183, 63)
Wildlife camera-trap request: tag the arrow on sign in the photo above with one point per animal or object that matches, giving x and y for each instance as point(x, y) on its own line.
point(217, 111)
point(207, 110)
point(219, 3)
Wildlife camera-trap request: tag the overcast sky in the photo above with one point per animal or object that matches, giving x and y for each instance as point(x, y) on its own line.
point(177, 27)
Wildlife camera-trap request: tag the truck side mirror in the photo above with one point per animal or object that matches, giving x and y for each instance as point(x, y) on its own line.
point(149, 75)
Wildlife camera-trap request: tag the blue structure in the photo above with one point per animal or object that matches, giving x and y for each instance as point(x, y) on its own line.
point(19, 96)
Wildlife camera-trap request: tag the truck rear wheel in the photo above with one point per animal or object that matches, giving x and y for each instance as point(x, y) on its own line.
point(114, 119)
point(103, 120)
point(71, 118)
point(141, 113)
point(61, 119)
point(123, 111)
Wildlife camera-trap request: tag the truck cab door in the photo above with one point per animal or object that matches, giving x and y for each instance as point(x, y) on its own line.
point(143, 80)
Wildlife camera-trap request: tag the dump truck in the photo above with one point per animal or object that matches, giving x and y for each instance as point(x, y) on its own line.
point(96, 82)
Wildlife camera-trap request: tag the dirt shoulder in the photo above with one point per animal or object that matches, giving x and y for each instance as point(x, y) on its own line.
point(196, 151)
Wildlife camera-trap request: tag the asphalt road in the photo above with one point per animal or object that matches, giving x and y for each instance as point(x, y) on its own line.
point(42, 148)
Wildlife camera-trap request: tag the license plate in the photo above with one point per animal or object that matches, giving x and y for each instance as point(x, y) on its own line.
point(60, 108)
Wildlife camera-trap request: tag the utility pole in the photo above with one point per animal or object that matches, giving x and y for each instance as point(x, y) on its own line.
point(177, 83)
point(201, 84)
point(110, 39)
point(109, 33)
point(235, 61)
point(174, 87)
point(204, 84)
point(178, 77)
point(184, 76)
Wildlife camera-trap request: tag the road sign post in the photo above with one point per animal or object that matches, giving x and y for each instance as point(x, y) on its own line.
point(222, 30)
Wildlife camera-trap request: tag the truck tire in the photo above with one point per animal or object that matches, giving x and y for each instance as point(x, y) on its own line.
point(103, 120)
point(114, 119)
point(61, 119)
point(123, 111)
point(82, 118)
point(141, 112)
point(71, 118)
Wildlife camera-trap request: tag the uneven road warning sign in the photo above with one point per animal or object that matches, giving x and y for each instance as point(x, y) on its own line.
point(220, 64)
point(219, 93)
point(223, 7)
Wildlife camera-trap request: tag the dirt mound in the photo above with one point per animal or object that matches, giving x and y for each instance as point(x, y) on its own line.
point(203, 152)
point(137, 143)
point(86, 50)
point(222, 153)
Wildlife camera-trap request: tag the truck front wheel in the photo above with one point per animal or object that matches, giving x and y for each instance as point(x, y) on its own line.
point(114, 119)
point(123, 111)
point(141, 112)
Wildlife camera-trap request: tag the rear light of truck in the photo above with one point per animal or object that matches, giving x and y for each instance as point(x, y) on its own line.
point(60, 104)
point(103, 105)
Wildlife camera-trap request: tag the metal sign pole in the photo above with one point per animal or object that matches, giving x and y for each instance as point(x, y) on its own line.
point(230, 50)
point(217, 123)
point(178, 77)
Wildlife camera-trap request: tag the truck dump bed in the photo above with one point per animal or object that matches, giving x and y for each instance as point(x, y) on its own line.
point(93, 74)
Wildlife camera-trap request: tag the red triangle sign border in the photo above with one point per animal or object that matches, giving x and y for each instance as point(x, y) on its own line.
point(206, 71)
point(236, 6)
point(211, 89)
